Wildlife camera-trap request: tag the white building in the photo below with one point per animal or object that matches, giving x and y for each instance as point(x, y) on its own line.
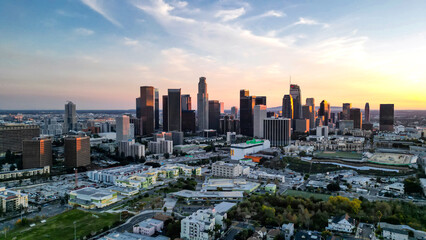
point(395, 234)
point(342, 223)
point(395, 188)
point(12, 200)
point(259, 113)
point(130, 148)
point(322, 131)
point(231, 137)
point(288, 230)
point(199, 224)
point(161, 146)
point(239, 151)
point(229, 170)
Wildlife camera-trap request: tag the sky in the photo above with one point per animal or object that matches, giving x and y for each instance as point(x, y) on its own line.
point(97, 53)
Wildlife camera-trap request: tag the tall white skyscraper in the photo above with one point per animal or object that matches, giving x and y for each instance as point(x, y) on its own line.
point(259, 114)
point(122, 128)
point(202, 105)
point(70, 118)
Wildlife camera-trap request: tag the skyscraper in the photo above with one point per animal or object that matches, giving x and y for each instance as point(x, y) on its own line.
point(324, 111)
point(214, 115)
point(157, 109)
point(37, 153)
point(234, 111)
point(175, 110)
point(296, 94)
point(259, 113)
point(222, 108)
point(367, 112)
point(308, 113)
point(165, 113)
point(346, 110)
point(186, 102)
point(77, 151)
point(260, 100)
point(188, 121)
point(247, 104)
point(122, 128)
point(356, 116)
point(277, 131)
point(70, 118)
point(146, 109)
point(387, 118)
point(288, 107)
point(11, 137)
point(311, 102)
point(202, 105)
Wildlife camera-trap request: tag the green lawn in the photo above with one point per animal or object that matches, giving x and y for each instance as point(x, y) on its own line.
point(303, 194)
point(61, 226)
point(337, 155)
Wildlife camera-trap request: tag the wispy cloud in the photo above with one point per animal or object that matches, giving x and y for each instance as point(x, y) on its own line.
point(308, 21)
point(83, 31)
point(130, 42)
point(98, 6)
point(228, 15)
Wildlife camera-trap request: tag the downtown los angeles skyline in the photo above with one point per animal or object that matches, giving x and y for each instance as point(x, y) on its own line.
point(98, 53)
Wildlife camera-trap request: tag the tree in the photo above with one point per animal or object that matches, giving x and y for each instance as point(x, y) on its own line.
point(165, 209)
point(412, 186)
point(333, 187)
point(166, 155)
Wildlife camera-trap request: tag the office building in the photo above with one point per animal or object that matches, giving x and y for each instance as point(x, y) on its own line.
point(161, 146)
point(260, 100)
point(77, 151)
point(367, 113)
point(214, 115)
point(324, 112)
point(308, 113)
point(122, 128)
point(165, 113)
point(288, 107)
point(227, 170)
point(70, 118)
point(296, 94)
point(222, 108)
point(186, 102)
point(202, 105)
point(259, 114)
point(146, 109)
point(37, 153)
point(157, 109)
point(386, 119)
point(229, 124)
point(322, 131)
point(177, 138)
point(356, 116)
point(277, 131)
point(301, 125)
point(175, 110)
point(11, 136)
point(135, 123)
point(346, 125)
point(188, 121)
point(234, 112)
point(11, 201)
point(247, 104)
point(131, 149)
point(311, 102)
point(346, 111)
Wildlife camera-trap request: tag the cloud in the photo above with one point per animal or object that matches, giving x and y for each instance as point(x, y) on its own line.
point(307, 21)
point(97, 6)
point(130, 42)
point(228, 15)
point(180, 4)
point(83, 31)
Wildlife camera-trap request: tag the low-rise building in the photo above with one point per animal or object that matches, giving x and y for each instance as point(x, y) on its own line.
point(342, 223)
point(271, 188)
point(307, 235)
point(201, 196)
point(230, 185)
point(24, 173)
point(397, 188)
point(395, 234)
point(238, 151)
point(199, 225)
point(229, 170)
point(90, 198)
point(288, 230)
point(148, 227)
point(12, 200)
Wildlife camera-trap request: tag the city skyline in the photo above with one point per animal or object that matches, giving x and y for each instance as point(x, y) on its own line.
point(98, 53)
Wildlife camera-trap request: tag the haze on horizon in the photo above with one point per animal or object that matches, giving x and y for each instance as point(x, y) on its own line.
point(97, 53)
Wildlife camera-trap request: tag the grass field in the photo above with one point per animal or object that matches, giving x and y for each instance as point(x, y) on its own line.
point(306, 167)
point(337, 155)
point(303, 194)
point(61, 226)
